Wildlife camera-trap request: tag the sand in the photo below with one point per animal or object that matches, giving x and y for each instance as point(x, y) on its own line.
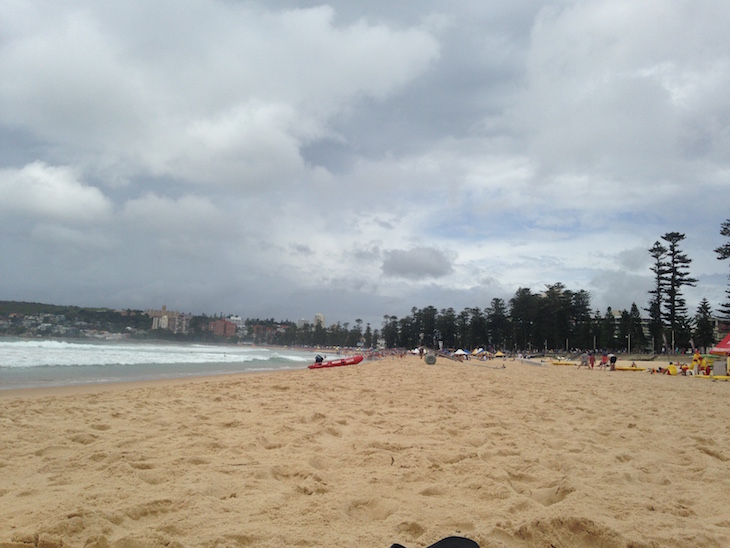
point(368, 455)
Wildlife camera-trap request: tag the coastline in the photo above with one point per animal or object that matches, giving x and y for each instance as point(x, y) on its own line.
point(368, 455)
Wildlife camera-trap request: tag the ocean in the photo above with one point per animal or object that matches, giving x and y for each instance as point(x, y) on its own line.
point(32, 363)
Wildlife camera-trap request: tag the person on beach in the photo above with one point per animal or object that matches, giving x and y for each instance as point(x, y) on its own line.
point(696, 362)
point(612, 359)
point(583, 360)
point(604, 361)
point(704, 367)
point(591, 360)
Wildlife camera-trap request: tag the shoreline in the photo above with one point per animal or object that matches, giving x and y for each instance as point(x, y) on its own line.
point(121, 386)
point(117, 386)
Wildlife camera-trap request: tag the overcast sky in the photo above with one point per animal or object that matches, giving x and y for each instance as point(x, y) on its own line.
point(284, 158)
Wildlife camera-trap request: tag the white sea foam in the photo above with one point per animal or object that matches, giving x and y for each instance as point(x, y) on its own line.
point(47, 353)
point(28, 363)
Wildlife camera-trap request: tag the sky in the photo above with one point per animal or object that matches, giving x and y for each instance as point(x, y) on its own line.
point(278, 159)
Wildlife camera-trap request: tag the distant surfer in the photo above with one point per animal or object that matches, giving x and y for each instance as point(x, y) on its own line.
point(318, 359)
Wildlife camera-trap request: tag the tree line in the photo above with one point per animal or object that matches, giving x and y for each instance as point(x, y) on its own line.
point(670, 324)
point(556, 318)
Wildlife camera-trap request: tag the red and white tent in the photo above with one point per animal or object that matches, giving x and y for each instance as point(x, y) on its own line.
point(723, 347)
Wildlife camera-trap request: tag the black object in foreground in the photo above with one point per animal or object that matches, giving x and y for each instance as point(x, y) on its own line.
point(449, 542)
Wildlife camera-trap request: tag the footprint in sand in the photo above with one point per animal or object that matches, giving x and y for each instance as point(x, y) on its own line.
point(369, 510)
point(547, 495)
point(83, 438)
point(140, 511)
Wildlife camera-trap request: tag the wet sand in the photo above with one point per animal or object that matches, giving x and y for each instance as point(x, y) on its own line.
point(368, 455)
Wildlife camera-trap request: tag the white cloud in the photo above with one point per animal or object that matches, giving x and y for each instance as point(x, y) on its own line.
point(53, 192)
point(230, 102)
point(614, 86)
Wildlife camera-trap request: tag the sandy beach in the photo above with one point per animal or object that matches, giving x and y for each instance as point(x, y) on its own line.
point(369, 455)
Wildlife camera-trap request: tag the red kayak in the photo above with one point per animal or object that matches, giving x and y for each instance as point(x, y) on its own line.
point(352, 360)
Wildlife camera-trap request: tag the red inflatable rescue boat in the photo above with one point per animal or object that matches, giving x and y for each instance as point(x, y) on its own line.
point(352, 360)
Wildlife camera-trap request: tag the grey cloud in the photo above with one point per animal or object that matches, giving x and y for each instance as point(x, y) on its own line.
point(635, 260)
point(333, 155)
point(301, 249)
point(368, 253)
point(385, 224)
point(619, 290)
point(417, 263)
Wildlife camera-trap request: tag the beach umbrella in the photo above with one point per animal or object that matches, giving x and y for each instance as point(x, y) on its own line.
point(499, 355)
point(460, 352)
point(723, 347)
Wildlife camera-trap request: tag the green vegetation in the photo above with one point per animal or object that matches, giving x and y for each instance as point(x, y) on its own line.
point(101, 318)
point(723, 253)
point(669, 322)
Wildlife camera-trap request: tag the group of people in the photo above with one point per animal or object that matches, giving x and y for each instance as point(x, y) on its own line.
point(699, 366)
point(588, 359)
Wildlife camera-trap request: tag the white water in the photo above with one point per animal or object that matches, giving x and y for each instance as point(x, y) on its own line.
point(31, 363)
